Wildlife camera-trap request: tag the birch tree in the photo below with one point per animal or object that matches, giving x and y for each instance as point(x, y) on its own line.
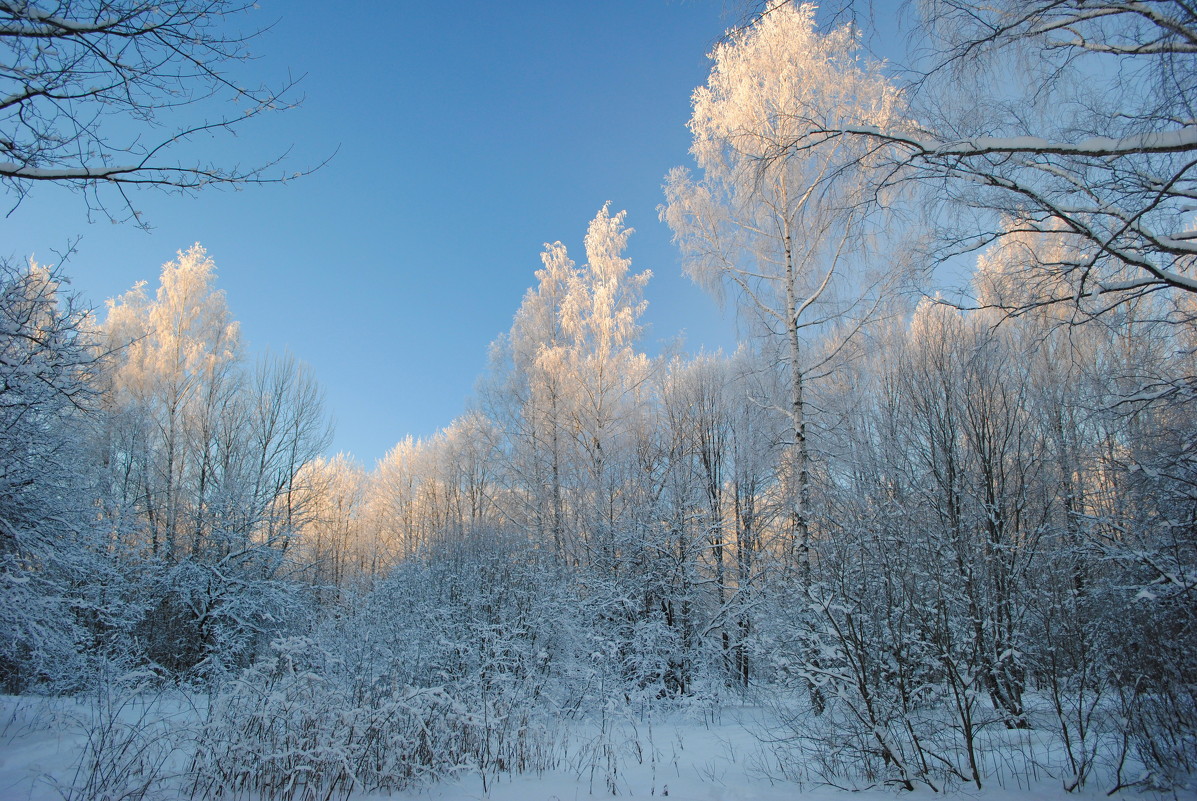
point(332, 543)
point(176, 376)
point(568, 383)
point(784, 229)
point(607, 377)
point(393, 512)
point(526, 394)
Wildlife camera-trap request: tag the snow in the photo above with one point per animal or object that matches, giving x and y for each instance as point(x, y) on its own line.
point(704, 757)
point(1182, 139)
point(1176, 140)
point(38, 748)
point(15, 170)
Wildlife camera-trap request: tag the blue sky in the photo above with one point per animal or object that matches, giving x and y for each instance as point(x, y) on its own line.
point(466, 135)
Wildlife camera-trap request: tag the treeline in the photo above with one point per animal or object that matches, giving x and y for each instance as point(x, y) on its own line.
point(999, 514)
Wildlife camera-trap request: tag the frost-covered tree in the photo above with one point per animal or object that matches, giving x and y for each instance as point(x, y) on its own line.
point(526, 396)
point(1070, 117)
point(470, 444)
point(606, 378)
point(397, 503)
point(425, 494)
point(966, 390)
point(785, 229)
point(201, 457)
point(694, 414)
point(566, 386)
point(176, 379)
point(332, 541)
point(48, 552)
point(720, 441)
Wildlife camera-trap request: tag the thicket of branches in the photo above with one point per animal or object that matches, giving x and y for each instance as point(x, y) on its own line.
point(105, 96)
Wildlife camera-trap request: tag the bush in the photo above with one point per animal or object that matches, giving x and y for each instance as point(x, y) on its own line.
point(297, 726)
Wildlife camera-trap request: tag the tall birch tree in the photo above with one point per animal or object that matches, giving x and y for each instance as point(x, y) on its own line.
point(525, 394)
point(785, 229)
point(600, 316)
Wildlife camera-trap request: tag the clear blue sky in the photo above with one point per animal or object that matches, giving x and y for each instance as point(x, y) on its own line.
point(466, 135)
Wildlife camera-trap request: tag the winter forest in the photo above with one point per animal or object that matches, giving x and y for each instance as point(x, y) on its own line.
point(931, 527)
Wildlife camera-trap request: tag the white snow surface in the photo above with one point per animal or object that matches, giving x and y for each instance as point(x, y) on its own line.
point(716, 758)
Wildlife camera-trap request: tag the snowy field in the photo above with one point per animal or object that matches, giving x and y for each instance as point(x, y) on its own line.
point(44, 746)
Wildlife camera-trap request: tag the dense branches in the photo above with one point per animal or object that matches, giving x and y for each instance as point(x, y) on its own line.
point(1070, 117)
point(46, 366)
point(93, 94)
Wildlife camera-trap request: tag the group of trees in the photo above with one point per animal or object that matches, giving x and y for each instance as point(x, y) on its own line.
point(991, 556)
point(1003, 443)
point(930, 522)
point(154, 479)
point(151, 478)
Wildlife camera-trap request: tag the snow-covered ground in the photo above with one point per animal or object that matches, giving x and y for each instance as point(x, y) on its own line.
point(40, 746)
point(721, 761)
point(701, 756)
point(45, 754)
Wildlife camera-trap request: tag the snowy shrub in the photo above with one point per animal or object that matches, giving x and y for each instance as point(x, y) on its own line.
point(291, 728)
point(50, 575)
point(303, 723)
point(39, 639)
point(1157, 690)
point(873, 708)
point(206, 621)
